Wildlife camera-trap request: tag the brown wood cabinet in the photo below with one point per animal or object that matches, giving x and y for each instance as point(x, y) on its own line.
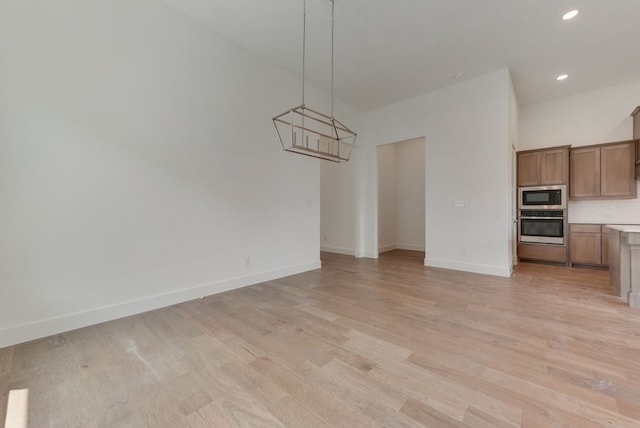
point(636, 136)
point(588, 244)
point(585, 173)
point(605, 171)
point(542, 252)
point(605, 245)
point(617, 170)
point(638, 160)
point(543, 167)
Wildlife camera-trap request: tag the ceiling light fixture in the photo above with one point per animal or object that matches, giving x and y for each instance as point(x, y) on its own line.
point(308, 132)
point(562, 77)
point(570, 15)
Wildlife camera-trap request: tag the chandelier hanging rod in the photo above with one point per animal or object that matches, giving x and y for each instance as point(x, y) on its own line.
point(304, 48)
point(304, 43)
point(333, 24)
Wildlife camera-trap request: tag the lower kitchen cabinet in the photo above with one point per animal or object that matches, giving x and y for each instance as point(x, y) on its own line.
point(588, 244)
point(605, 246)
point(543, 252)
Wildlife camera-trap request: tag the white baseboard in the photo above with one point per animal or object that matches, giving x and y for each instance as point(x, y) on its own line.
point(468, 267)
point(385, 248)
point(338, 250)
point(47, 327)
point(391, 247)
point(410, 247)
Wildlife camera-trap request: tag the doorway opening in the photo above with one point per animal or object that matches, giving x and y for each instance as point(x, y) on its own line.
point(401, 200)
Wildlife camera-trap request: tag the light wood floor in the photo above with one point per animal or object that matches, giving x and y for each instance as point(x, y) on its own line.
point(358, 343)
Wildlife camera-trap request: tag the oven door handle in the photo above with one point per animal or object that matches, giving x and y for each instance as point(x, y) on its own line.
point(542, 218)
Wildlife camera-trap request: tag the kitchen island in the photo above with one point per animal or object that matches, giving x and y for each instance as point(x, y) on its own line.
point(624, 262)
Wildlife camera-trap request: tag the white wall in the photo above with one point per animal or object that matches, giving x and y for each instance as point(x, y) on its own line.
point(593, 117)
point(466, 131)
point(139, 166)
point(410, 194)
point(338, 206)
point(387, 199)
point(514, 119)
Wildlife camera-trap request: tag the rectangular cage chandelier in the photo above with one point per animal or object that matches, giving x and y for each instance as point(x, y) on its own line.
point(308, 132)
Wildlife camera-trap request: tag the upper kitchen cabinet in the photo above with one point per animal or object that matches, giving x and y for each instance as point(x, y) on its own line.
point(542, 167)
point(636, 136)
point(603, 171)
point(585, 173)
point(617, 170)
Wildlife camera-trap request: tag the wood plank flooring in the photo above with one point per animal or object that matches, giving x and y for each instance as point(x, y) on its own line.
point(358, 343)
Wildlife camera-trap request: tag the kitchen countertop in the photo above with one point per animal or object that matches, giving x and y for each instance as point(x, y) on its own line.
point(628, 228)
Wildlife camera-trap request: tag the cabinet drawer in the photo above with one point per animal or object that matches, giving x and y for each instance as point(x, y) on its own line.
point(550, 253)
point(585, 228)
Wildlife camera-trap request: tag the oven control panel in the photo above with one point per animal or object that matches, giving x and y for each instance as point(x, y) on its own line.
point(542, 213)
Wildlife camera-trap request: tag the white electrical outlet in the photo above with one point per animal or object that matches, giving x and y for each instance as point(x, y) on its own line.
point(247, 262)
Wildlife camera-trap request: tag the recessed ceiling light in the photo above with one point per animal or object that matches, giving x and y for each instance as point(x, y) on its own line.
point(570, 15)
point(562, 77)
point(458, 75)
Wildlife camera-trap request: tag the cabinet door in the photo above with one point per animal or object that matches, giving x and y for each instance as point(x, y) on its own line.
point(585, 173)
point(618, 173)
point(605, 249)
point(529, 169)
point(585, 248)
point(637, 150)
point(554, 167)
point(636, 136)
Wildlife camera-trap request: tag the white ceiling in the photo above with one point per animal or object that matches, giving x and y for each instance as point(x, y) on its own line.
point(387, 51)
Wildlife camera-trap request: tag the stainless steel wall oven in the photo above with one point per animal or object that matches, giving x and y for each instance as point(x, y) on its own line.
point(542, 226)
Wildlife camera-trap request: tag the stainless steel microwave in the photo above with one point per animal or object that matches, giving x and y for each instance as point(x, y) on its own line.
point(543, 197)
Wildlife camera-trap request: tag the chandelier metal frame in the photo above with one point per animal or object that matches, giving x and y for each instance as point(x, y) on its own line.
point(308, 132)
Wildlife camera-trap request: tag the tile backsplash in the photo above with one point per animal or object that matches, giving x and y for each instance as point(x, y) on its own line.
point(618, 211)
